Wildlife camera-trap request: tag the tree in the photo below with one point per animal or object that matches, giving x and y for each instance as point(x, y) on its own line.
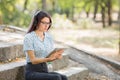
point(7, 6)
point(25, 5)
point(95, 8)
point(119, 14)
point(44, 5)
point(103, 15)
point(109, 6)
point(105, 6)
point(87, 6)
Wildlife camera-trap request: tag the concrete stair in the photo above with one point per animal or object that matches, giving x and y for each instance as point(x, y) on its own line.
point(10, 51)
point(61, 63)
point(74, 73)
point(12, 71)
point(15, 70)
point(11, 46)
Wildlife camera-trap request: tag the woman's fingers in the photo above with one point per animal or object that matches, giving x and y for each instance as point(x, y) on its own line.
point(56, 55)
point(60, 50)
point(59, 56)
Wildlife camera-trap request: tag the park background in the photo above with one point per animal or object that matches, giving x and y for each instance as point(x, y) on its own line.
point(91, 25)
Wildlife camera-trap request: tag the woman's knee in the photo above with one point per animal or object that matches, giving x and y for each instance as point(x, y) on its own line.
point(56, 77)
point(59, 77)
point(64, 77)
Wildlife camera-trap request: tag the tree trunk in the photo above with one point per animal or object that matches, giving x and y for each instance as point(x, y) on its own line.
point(25, 5)
point(95, 9)
point(103, 15)
point(109, 6)
point(119, 15)
point(1, 22)
point(119, 25)
point(67, 13)
point(53, 3)
point(72, 13)
point(87, 12)
point(44, 5)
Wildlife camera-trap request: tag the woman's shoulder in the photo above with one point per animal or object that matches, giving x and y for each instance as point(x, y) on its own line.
point(29, 35)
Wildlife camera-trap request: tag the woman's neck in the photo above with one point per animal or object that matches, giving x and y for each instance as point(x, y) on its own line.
point(40, 33)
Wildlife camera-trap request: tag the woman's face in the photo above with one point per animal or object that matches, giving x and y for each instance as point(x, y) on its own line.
point(44, 24)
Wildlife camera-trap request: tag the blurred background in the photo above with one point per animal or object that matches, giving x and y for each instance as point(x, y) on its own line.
point(91, 25)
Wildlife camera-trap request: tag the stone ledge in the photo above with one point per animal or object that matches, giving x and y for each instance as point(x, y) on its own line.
point(10, 28)
point(61, 63)
point(113, 63)
point(12, 71)
point(75, 73)
point(10, 51)
point(11, 65)
point(58, 64)
point(15, 71)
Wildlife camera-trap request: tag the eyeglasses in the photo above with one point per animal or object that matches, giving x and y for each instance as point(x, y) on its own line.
point(45, 23)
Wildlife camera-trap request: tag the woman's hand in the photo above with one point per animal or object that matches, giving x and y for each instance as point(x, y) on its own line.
point(59, 56)
point(56, 55)
point(59, 53)
point(52, 57)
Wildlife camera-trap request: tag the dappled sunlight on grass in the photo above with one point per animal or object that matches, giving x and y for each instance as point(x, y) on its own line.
point(101, 42)
point(85, 23)
point(95, 38)
point(87, 35)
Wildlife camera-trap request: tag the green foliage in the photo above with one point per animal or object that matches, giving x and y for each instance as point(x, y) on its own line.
point(68, 6)
point(7, 10)
point(13, 13)
point(22, 19)
point(62, 22)
point(85, 23)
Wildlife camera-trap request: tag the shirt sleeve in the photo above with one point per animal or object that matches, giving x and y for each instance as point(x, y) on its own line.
point(28, 44)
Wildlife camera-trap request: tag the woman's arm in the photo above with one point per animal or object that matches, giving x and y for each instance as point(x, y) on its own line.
point(57, 53)
point(35, 60)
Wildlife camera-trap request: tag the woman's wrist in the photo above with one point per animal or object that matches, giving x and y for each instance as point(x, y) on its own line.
point(47, 59)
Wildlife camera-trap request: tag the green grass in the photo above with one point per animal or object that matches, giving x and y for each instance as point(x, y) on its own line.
point(99, 42)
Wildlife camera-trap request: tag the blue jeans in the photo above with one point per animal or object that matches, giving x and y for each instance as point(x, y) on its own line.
point(40, 72)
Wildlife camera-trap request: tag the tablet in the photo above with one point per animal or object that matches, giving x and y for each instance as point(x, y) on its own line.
point(55, 51)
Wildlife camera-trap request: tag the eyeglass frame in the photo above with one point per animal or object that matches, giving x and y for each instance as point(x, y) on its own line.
point(45, 23)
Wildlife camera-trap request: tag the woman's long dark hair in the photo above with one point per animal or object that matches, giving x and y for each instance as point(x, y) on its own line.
point(37, 19)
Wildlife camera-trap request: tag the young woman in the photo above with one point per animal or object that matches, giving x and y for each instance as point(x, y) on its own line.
point(38, 44)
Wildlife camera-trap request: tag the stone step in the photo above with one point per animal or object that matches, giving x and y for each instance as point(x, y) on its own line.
point(9, 51)
point(10, 46)
point(75, 73)
point(61, 63)
point(12, 71)
point(15, 71)
point(57, 64)
point(12, 29)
